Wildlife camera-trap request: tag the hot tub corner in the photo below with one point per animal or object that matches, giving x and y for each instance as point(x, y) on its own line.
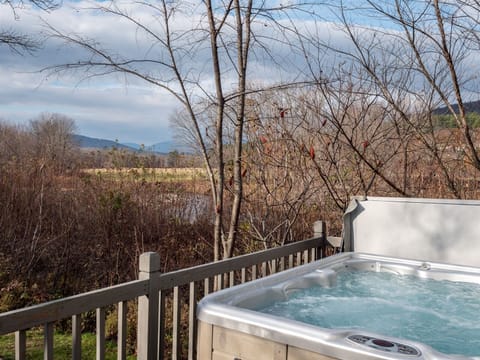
point(219, 343)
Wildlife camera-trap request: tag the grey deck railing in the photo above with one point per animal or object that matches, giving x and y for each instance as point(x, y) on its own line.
point(180, 289)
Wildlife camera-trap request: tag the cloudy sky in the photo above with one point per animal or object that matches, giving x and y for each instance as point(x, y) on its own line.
point(110, 107)
point(114, 106)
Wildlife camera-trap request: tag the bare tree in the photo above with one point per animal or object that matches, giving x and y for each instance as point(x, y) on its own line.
point(41, 4)
point(53, 140)
point(216, 45)
point(15, 40)
point(279, 187)
point(335, 139)
point(420, 58)
point(15, 143)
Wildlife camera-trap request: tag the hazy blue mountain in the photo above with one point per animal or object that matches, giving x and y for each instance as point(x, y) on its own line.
point(163, 147)
point(94, 143)
point(133, 145)
point(470, 107)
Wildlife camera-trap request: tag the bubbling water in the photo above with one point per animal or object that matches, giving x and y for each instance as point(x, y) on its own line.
point(442, 314)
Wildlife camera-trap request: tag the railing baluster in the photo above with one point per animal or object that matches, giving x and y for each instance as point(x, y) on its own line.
point(176, 324)
point(48, 341)
point(244, 275)
point(254, 272)
point(192, 323)
point(122, 331)
point(264, 269)
point(231, 280)
point(206, 286)
point(282, 263)
point(20, 344)
point(290, 261)
point(305, 257)
point(100, 322)
point(299, 259)
point(274, 266)
point(219, 282)
point(161, 325)
point(76, 337)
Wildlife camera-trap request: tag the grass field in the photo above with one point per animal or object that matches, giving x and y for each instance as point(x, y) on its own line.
point(150, 174)
point(62, 346)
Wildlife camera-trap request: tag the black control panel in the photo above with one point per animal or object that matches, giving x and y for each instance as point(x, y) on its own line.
point(384, 345)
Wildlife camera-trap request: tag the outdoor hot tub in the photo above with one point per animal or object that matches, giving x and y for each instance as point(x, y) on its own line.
point(414, 295)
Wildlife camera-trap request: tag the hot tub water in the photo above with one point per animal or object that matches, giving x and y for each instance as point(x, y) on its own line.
point(442, 314)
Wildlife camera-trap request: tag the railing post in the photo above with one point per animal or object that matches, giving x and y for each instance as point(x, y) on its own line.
point(320, 231)
point(147, 326)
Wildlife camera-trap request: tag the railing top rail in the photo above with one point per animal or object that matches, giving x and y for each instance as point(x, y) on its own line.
point(41, 314)
point(197, 273)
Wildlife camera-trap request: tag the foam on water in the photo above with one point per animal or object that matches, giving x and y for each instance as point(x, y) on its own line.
point(442, 314)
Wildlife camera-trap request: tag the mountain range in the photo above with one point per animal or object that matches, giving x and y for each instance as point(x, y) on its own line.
point(470, 107)
point(163, 147)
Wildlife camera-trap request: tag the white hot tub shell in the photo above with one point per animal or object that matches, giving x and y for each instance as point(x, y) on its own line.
point(424, 238)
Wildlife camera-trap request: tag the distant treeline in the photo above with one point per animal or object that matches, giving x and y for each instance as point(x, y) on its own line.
point(448, 120)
